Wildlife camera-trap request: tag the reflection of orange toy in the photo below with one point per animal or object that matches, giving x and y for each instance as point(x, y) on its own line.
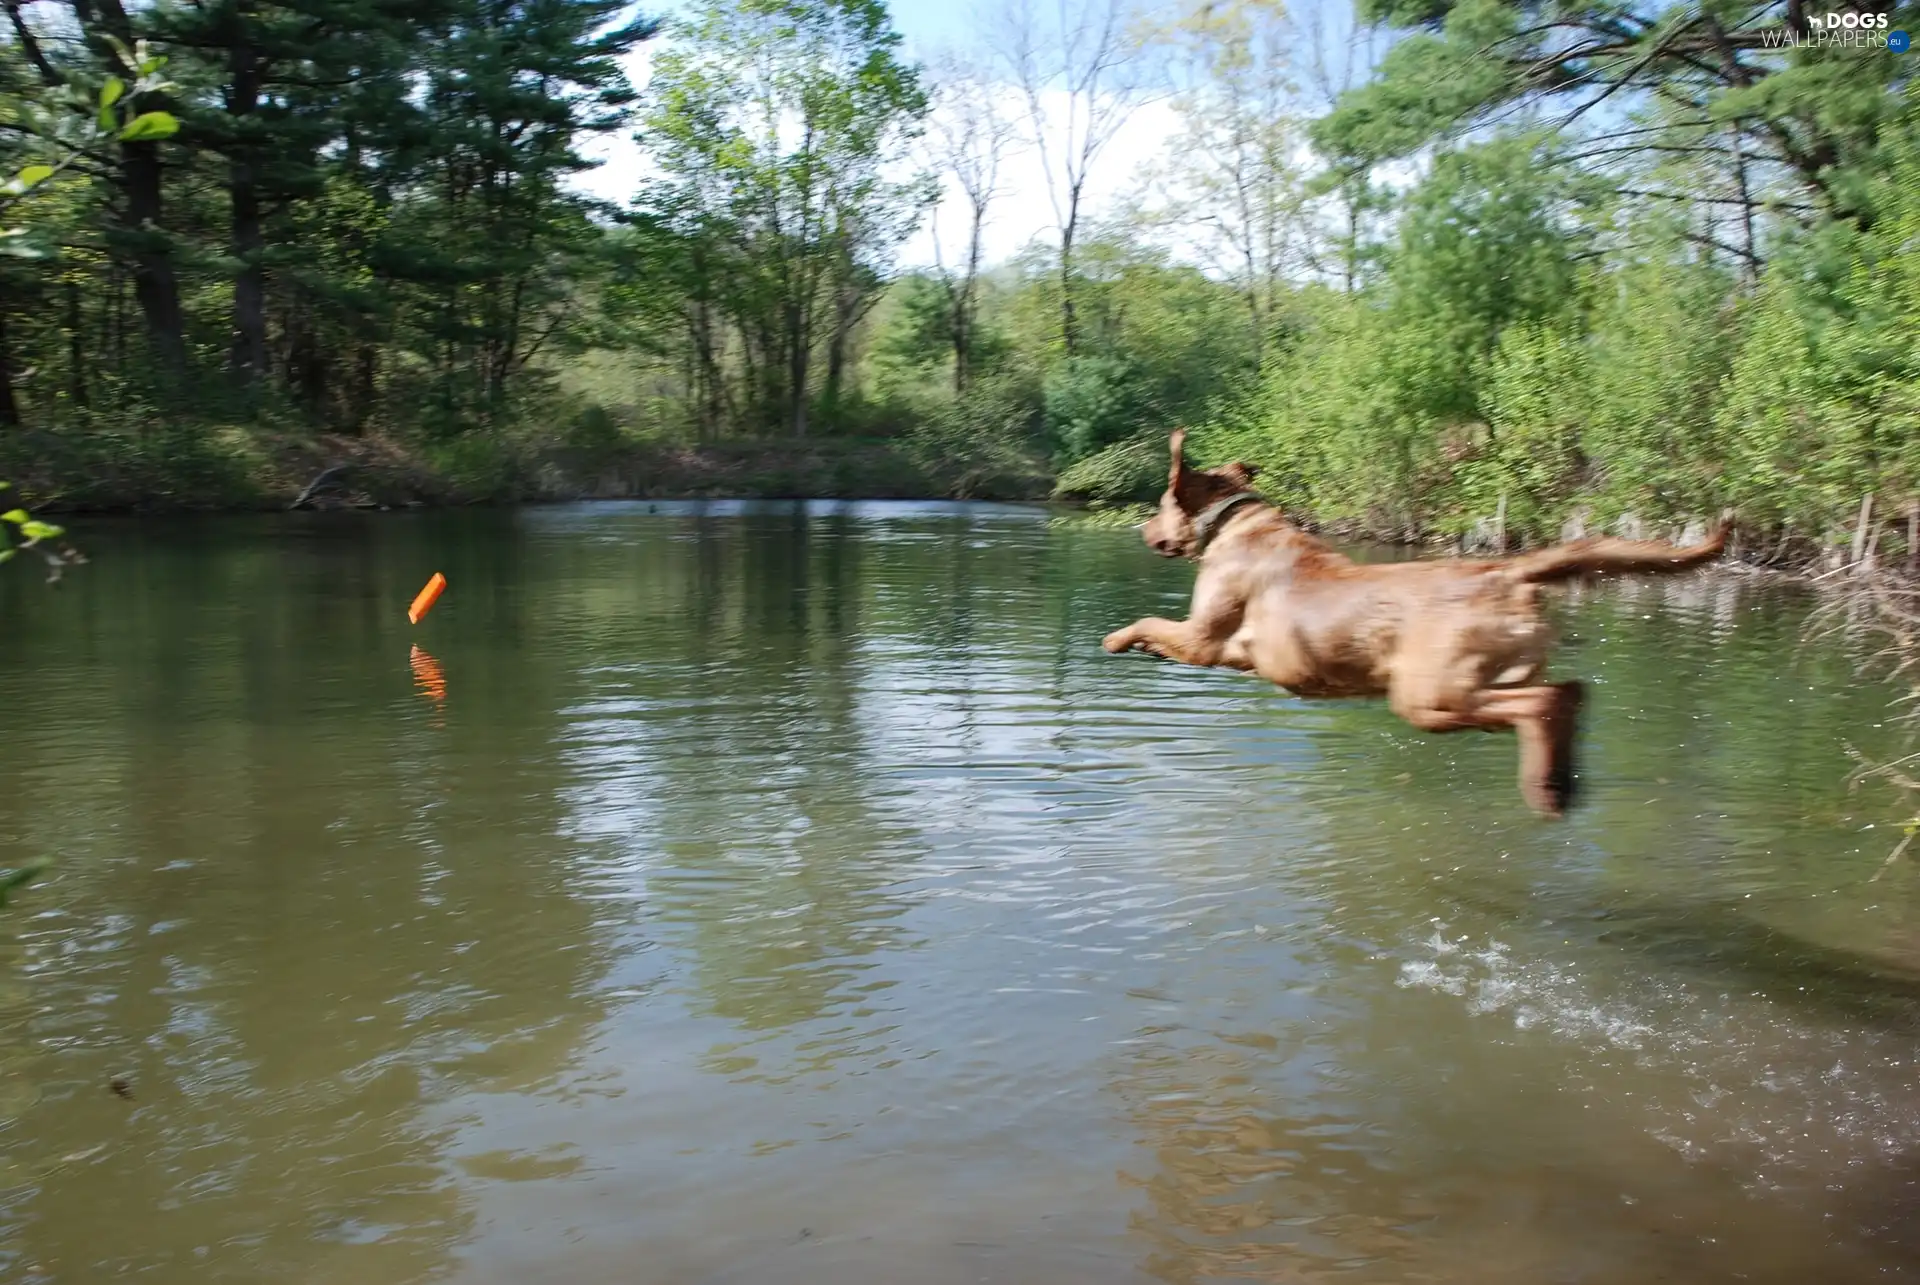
point(428, 678)
point(424, 600)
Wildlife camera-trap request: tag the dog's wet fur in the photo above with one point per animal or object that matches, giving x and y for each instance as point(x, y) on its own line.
point(1453, 645)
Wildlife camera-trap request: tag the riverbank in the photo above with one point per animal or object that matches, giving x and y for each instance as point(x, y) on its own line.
point(160, 470)
point(246, 469)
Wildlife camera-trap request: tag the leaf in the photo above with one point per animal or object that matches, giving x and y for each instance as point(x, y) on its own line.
point(6, 555)
point(109, 95)
point(19, 879)
point(34, 529)
point(31, 177)
point(148, 126)
point(15, 516)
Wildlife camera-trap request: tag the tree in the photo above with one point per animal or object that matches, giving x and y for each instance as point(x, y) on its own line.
point(67, 126)
point(1083, 73)
point(130, 159)
point(1343, 58)
point(1709, 80)
point(283, 76)
point(1231, 178)
point(777, 123)
point(970, 135)
point(490, 233)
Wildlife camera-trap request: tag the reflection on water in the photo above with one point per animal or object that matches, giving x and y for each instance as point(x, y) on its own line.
point(786, 893)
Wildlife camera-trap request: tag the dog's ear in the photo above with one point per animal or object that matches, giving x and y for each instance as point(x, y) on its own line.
point(1240, 474)
point(1177, 447)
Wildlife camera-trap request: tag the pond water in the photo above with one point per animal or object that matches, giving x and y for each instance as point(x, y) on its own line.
point(796, 895)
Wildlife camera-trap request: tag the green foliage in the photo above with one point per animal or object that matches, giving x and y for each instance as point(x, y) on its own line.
point(1522, 355)
point(349, 211)
point(1132, 470)
point(1652, 264)
point(776, 123)
point(1825, 394)
point(980, 445)
point(1095, 400)
point(1462, 65)
point(1662, 342)
point(68, 123)
point(1538, 396)
point(918, 332)
point(21, 531)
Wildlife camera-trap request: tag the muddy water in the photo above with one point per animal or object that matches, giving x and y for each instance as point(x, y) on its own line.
point(798, 895)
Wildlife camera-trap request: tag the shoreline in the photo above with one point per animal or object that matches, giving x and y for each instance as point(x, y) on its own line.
point(265, 474)
point(1821, 574)
point(262, 472)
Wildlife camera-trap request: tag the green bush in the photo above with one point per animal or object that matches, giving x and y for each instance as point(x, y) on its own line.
point(1093, 402)
point(980, 446)
point(1133, 470)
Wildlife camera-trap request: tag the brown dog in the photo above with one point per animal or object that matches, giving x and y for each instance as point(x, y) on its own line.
point(1451, 645)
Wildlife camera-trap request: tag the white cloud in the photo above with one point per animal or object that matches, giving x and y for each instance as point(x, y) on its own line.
point(624, 164)
point(1024, 208)
point(1022, 211)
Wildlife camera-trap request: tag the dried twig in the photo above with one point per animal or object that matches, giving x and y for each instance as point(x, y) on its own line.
point(1892, 857)
point(326, 475)
point(1881, 603)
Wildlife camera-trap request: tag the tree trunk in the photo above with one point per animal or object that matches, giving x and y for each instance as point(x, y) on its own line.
point(799, 356)
point(9, 408)
point(155, 286)
point(76, 348)
point(846, 315)
point(1069, 321)
point(117, 317)
point(962, 326)
point(1352, 255)
point(366, 375)
point(705, 376)
point(248, 359)
point(1750, 269)
point(964, 304)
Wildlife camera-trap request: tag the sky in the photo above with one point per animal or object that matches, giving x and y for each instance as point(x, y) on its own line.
point(1022, 212)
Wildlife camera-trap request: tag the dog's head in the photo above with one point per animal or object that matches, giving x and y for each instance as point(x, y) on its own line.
point(1190, 493)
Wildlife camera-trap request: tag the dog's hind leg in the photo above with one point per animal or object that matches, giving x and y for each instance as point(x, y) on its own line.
point(1545, 719)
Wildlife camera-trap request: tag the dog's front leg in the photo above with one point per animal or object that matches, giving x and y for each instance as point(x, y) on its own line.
point(1168, 639)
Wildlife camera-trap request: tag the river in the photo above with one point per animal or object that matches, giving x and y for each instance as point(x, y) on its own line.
point(783, 894)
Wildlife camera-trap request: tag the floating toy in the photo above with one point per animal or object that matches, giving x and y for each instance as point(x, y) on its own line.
point(424, 600)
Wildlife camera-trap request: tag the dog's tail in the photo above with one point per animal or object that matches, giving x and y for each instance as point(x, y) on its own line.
point(1621, 557)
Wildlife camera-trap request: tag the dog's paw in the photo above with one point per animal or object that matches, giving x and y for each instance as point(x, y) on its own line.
point(1118, 641)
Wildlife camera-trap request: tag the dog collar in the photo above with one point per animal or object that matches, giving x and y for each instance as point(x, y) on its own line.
point(1207, 525)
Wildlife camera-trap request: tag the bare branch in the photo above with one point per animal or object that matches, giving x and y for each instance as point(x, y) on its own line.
point(1083, 77)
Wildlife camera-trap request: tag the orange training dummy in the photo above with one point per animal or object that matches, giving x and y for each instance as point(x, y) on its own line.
point(424, 600)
